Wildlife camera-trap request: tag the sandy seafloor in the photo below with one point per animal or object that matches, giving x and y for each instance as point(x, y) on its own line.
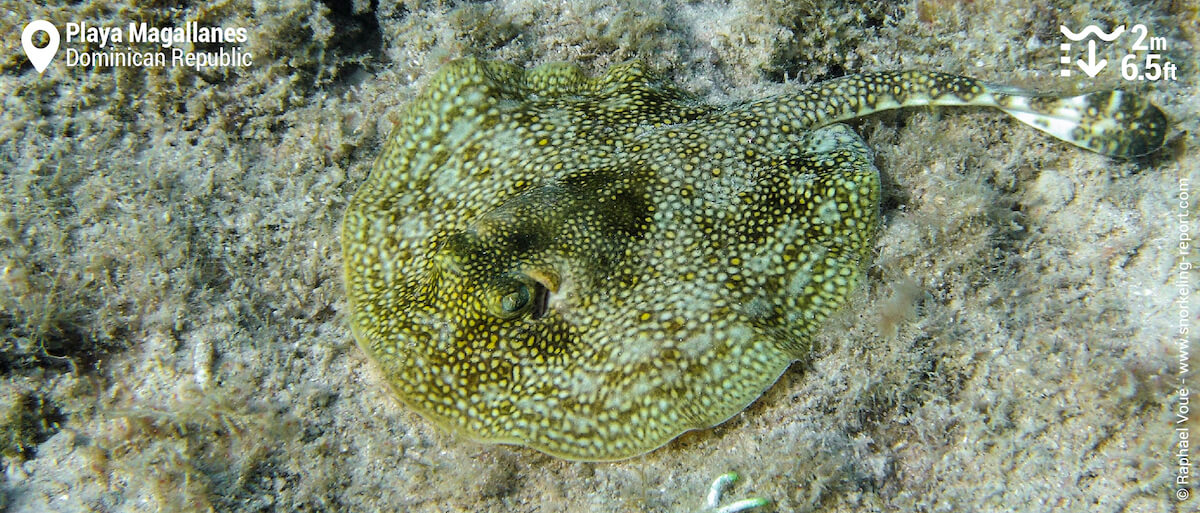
point(172, 320)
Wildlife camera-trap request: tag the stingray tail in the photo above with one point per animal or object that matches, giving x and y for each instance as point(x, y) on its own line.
point(1114, 123)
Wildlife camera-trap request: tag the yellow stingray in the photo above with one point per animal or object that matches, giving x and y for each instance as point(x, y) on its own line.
point(592, 266)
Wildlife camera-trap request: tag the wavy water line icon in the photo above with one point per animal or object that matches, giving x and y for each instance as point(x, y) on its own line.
point(1092, 30)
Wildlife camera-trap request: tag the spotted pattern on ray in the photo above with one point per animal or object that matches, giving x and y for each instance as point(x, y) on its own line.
point(592, 266)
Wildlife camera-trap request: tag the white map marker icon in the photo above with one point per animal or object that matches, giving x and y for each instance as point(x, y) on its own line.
point(39, 57)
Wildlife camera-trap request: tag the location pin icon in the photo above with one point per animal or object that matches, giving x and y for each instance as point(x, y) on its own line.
point(39, 57)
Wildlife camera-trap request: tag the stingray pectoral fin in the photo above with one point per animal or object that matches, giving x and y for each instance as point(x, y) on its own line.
point(1114, 123)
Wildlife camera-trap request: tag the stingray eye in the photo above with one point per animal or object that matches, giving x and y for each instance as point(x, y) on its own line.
point(510, 297)
point(514, 296)
point(516, 300)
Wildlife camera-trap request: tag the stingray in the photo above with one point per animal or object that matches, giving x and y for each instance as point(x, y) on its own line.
point(591, 266)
